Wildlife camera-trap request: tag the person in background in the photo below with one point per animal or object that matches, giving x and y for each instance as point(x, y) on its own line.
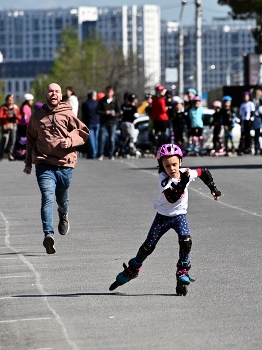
point(179, 122)
point(228, 121)
point(109, 111)
point(189, 99)
point(159, 116)
point(25, 112)
point(188, 104)
point(72, 99)
point(127, 125)
point(246, 113)
point(9, 118)
point(52, 134)
point(38, 105)
point(257, 126)
point(196, 124)
point(170, 105)
point(142, 109)
point(217, 122)
point(92, 121)
point(257, 93)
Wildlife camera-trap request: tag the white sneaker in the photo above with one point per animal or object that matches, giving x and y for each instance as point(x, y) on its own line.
point(100, 158)
point(112, 158)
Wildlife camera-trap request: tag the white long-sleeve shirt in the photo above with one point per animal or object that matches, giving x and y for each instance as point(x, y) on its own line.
point(162, 206)
point(73, 101)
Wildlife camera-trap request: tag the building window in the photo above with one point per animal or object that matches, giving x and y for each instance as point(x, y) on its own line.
point(36, 52)
point(2, 40)
point(35, 24)
point(17, 86)
point(2, 25)
point(18, 52)
point(18, 39)
point(35, 38)
point(58, 23)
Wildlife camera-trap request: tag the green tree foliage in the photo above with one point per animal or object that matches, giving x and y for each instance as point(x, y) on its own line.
point(90, 66)
point(245, 9)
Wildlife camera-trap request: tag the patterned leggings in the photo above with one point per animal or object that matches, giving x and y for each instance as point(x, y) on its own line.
point(161, 225)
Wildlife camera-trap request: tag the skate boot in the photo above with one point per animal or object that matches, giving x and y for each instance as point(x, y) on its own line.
point(183, 279)
point(130, 272)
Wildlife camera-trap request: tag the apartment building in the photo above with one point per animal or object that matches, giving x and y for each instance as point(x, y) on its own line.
point(29, 39)
point(224, 44)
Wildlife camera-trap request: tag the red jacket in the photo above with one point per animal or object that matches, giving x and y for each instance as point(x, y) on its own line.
point(159, 110)
point(4, 114)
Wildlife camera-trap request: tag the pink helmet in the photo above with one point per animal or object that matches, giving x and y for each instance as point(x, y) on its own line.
point(217, 104)
point(196, 98)
point(169, 150)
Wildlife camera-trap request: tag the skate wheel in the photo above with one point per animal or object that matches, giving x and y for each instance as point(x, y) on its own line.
point(179, 289)
point(114, 285)
point(185, 290)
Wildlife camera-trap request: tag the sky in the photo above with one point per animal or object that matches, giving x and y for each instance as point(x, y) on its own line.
point(169, 8)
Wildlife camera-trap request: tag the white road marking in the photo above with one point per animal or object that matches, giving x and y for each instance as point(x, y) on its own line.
point(25, 276)
point(42, 349)
point(26, 319)
point(37, 282)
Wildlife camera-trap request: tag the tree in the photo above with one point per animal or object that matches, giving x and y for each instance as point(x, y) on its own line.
point(91, 66)
point(243, 9)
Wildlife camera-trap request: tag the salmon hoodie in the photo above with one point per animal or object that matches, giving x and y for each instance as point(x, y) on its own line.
point(45, 130)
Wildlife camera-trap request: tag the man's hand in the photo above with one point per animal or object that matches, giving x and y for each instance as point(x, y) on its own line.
point(64, 143)
point(27, 170)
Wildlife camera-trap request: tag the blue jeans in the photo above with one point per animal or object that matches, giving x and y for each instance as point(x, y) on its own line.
point(8, 140)
point(93, 139)
point(104, 131)
point(53, 181)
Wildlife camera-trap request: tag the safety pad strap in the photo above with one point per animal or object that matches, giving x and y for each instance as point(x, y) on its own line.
point(174, 193)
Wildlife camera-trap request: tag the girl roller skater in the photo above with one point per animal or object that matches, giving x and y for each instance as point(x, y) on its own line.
point(171, 208)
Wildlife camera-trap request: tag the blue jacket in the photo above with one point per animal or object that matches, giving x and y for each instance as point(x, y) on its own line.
point(196, 117)
point(89, 115)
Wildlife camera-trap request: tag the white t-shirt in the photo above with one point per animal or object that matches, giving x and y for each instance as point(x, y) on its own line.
point(245, 110)
point(162, 206)
point(73, 101)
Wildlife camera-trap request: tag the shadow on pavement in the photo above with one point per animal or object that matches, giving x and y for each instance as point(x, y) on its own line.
point(91, 294)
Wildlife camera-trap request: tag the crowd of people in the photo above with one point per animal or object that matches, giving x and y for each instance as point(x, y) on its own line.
point(171, 119)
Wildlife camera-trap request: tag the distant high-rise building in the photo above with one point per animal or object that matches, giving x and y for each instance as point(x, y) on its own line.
point(29, 39)
point(224, 45)
point(136, 30)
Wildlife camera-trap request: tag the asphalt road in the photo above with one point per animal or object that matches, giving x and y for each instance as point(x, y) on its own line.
point(62, 301)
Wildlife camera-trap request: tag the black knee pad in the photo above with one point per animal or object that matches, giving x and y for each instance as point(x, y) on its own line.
point(145, 250)
point(185, 243)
